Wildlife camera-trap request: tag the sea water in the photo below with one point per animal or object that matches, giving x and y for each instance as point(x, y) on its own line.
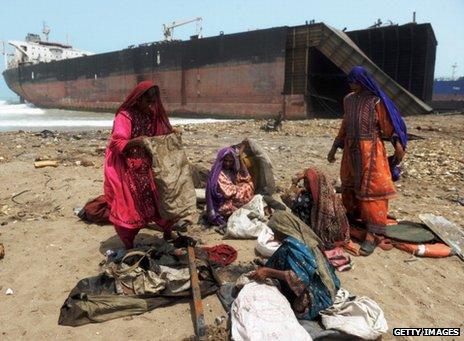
point(15, 116)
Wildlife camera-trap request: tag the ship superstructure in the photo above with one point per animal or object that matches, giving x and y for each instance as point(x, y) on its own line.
point(34, 51)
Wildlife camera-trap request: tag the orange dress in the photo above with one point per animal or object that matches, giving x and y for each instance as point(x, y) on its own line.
point(365, 174)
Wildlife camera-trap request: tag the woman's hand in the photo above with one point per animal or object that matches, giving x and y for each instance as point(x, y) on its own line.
point(241, 149)
point(399, 152)
point(177, 131)
point(260, 274)
point(296, 179)
point(331, 156)
point(137, 141)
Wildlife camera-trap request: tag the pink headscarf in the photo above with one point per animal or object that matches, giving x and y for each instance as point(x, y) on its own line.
point(162, 124)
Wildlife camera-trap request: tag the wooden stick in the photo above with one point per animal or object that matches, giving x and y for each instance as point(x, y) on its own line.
point(199, 317)
point(47, 163)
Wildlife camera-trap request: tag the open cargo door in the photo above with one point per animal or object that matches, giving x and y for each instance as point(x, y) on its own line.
point(344, 54)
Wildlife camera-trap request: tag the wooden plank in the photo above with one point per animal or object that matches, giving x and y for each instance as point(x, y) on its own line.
point(449, 233)
point(198, 316)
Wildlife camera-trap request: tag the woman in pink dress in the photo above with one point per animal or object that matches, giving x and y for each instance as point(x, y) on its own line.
point(129, 187)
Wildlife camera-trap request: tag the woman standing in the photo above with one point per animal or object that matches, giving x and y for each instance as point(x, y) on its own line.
point(369, 115)
point(129, 187)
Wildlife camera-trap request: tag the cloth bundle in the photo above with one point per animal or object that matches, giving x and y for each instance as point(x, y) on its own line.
point(247, 221)
point(358, 316)
point(135, 279)
point(133, 283)
point(261, 168)
point(261, 312)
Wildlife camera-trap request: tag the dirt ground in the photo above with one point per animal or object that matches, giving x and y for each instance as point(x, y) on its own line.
point(48, 249)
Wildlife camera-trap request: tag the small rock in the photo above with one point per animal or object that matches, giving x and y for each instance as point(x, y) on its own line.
point(42, 158)
point(46, 133)
point(87, 163)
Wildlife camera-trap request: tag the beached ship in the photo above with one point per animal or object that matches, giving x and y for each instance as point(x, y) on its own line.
point(448, 94)
point(297, 71)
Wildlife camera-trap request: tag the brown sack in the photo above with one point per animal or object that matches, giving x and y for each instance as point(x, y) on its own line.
point(173, 178)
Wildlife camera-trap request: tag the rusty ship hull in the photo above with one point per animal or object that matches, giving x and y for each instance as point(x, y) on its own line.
point(296, 71)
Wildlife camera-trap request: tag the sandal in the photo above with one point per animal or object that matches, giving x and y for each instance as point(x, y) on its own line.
point(352, 248)
point(368, 246)
point(384, 243)
point(181, 226)
point(169, 236)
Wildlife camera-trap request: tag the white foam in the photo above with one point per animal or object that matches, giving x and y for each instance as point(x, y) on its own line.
point(19, 109)
point(87, 123)
point(177, 121)
point(55, 123)
point(14, 116)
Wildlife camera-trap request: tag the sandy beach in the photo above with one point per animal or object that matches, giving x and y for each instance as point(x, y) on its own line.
point(48, 249)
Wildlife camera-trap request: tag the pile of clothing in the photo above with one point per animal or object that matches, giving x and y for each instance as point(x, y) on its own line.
point(142, 279)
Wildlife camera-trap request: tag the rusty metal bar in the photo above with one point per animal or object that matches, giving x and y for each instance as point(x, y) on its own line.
point(306, 60)
point(199, 317)
point(293, 61)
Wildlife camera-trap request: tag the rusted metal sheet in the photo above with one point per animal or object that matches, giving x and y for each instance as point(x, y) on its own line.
point(197, 304)
point(341, 50)
point(404, 52)
point(448, 232)
point(228, 91)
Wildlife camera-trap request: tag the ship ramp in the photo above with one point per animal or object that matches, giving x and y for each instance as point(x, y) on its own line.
point(345, 54)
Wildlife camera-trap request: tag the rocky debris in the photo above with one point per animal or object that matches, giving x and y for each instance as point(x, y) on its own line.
point(46, 134)
point(85, 163)
point(274, 124)
point(435, 161)
point(216, 333)
point(433, 170)
point(429, 128)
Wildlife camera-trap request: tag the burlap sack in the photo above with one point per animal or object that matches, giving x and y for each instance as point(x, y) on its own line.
point(173, 178)
point(265, 182)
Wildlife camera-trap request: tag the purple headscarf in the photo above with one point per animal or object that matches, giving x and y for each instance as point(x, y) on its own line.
point(360, 76)
point(214, 197)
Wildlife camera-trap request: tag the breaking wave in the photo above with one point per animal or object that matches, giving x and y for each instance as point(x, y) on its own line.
point(11, 108)
point(15, 116)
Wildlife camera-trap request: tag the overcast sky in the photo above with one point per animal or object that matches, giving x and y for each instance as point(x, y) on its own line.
point(108, 25)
